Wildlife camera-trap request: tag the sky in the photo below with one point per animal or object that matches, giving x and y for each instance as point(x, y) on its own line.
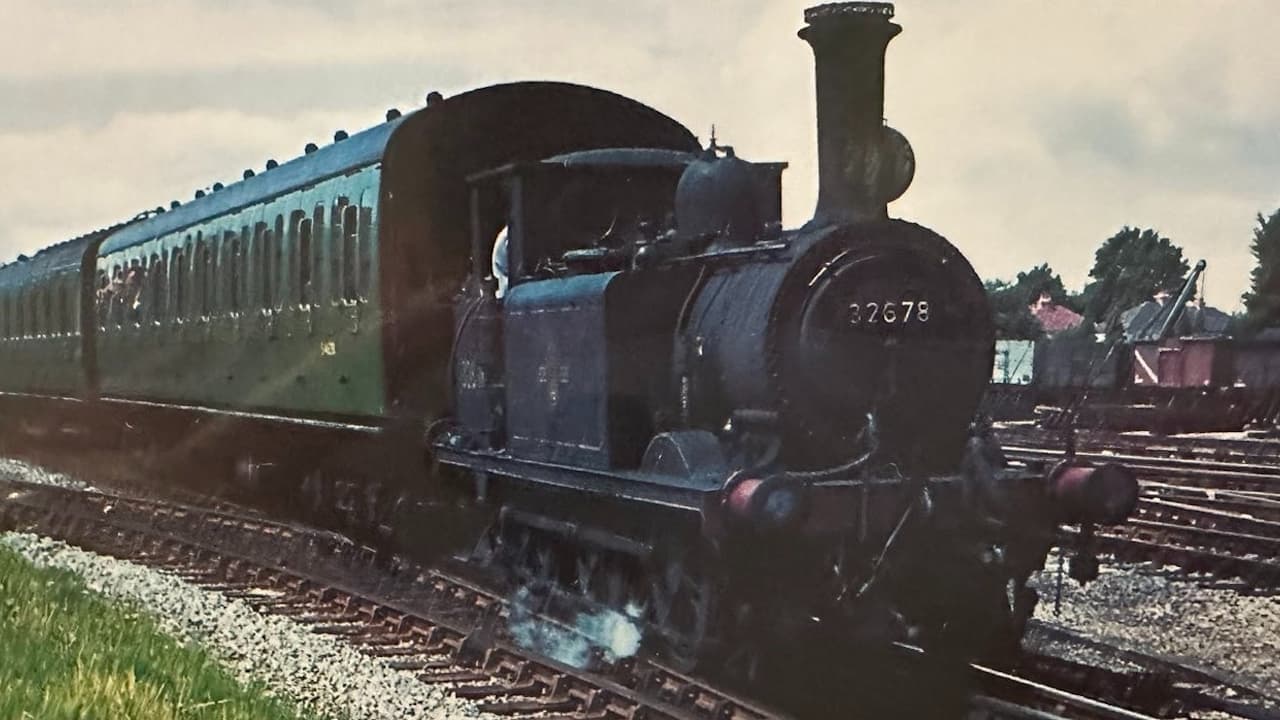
point(1039, 128)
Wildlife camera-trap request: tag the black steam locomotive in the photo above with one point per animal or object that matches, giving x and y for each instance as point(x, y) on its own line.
point(674, 405)
point(541, 315)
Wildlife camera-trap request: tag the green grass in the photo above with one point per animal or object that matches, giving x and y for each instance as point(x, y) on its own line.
point(69, 654)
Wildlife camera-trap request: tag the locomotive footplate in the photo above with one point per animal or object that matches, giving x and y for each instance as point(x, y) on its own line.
point(734, 506)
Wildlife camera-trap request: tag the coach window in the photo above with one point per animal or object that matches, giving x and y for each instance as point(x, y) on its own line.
point(116, 291)
point(199, 284)
point(156, 287)
point(318, 246)
point(35, 299)
point(62, 302)
point(266, 269)
point(178, 266)
point(37, 310)
point(54, 309)
point(28, 312)
point(350, 242)
point(51, 296)
point(207, 278)
point(258, 263)
point(73, 305)
point(366, 250)
point(243, 268)
point(300, 256)
point(44, 311)
point(233, 272)
point(304, 260)
point(335, 249)
point(61, 325)
point(279, 279)
point(133, 282)
point(57, 308)
point(100, 300)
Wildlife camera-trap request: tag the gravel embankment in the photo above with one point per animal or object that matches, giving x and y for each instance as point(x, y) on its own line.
point(319, 673)
point(1141, 608)
point(17, 470)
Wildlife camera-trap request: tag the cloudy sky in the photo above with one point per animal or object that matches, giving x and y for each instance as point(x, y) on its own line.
point(1040, 128)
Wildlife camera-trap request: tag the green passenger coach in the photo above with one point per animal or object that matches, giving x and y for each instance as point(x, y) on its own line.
point(270, 304)
point(295, 327)
point(41, 350)
point(320, 291)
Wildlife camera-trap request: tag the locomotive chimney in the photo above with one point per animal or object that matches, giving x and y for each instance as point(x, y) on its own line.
point(856, 167)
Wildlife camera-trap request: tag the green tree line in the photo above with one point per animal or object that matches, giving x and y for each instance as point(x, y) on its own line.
point(1129, 267)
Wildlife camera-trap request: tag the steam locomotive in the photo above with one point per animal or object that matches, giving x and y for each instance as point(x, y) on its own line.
point(542, 318)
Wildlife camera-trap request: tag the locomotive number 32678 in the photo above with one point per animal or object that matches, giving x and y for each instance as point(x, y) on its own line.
point(889, 312)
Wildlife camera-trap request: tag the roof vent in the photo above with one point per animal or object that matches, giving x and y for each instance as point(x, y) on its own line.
point(392, 114)
point(272, 164)
point(310, 148)
point(248, 173)
point(340, 136)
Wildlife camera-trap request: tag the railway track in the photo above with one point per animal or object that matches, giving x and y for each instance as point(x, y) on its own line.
point(1207, 505)
point(438, 625)
point(444, 627)
point(1160, 686)
point(1264, 451)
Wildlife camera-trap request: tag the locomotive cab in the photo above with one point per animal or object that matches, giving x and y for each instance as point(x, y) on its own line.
point(593, 314)
point(582, 214)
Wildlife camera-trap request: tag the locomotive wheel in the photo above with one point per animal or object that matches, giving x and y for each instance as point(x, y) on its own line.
point(683, 607)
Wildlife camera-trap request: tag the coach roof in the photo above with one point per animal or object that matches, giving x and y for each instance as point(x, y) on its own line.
point(64, 255)
point(356, 151)
point(456, 129)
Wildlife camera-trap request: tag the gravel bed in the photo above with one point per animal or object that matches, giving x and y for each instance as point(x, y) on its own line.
point(1148, 610)
point(17, 470)
point(321, 674)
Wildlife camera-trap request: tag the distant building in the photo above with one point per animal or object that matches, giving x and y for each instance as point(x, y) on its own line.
point(1054, 318)
point(1144, 321)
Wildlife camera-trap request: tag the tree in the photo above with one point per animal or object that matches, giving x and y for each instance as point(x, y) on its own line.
point(1009, 309)
point(1128, 269)
point(1262, 302)
point(1011, 301)
point(1041, 279)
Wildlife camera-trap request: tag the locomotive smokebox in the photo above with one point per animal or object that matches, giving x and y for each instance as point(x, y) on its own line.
point(862, 164)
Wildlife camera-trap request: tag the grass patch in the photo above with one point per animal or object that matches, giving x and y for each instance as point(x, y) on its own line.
point(68, 653)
